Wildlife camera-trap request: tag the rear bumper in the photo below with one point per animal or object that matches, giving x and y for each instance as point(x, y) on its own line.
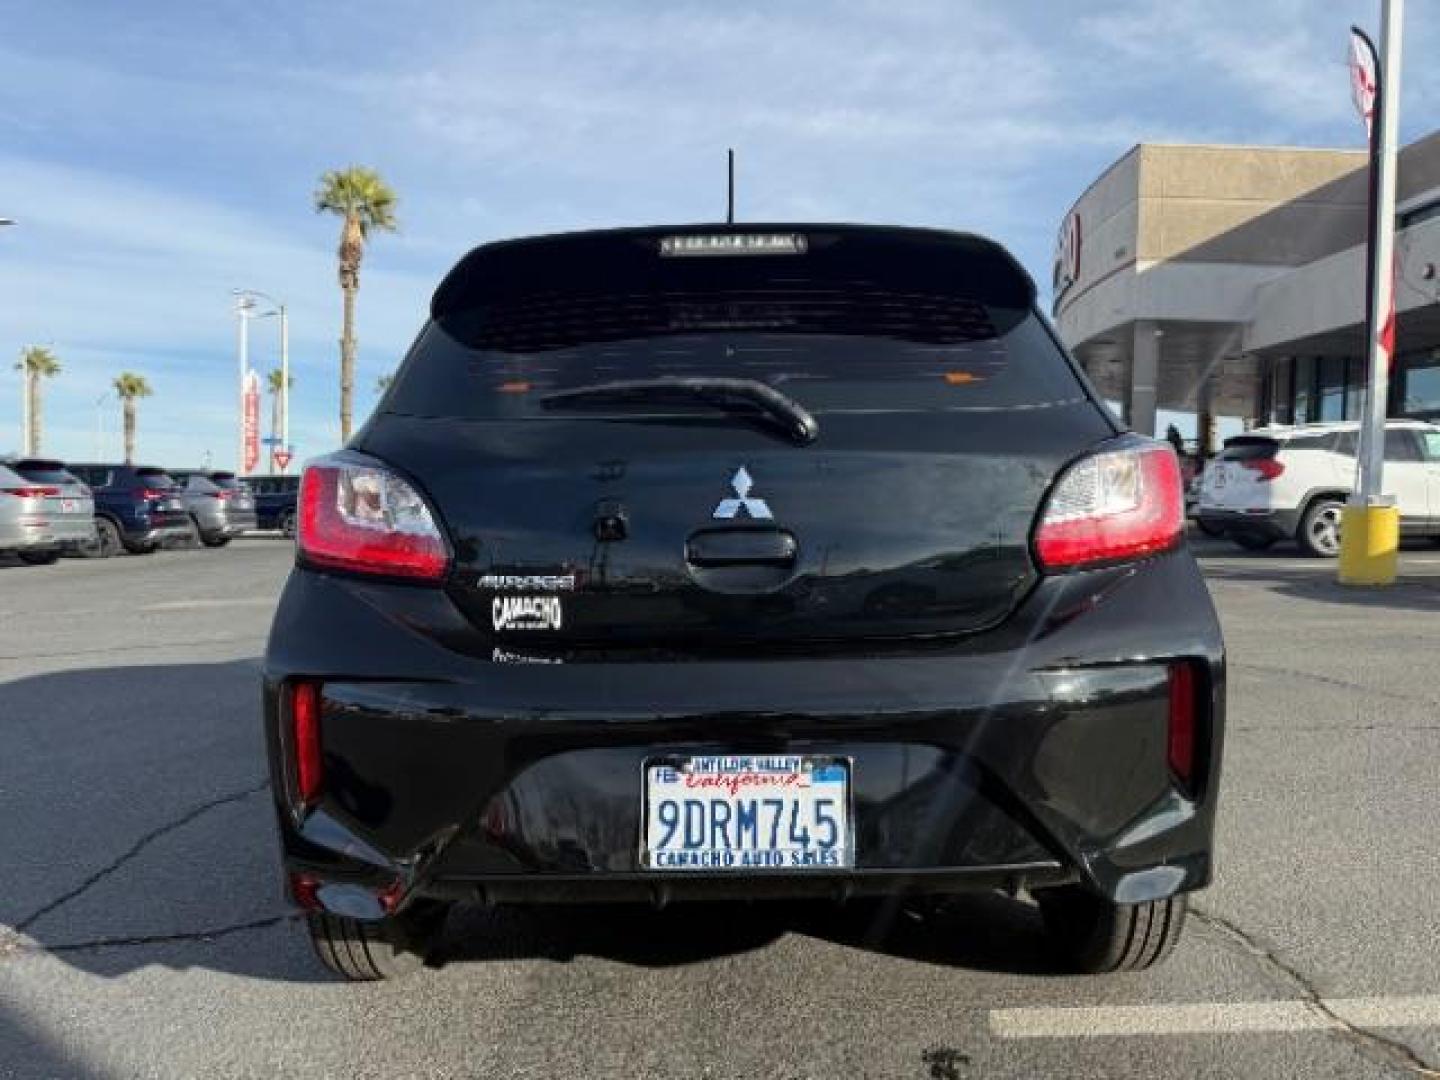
point(155, 528)
point(1024, 757)
point(58, 531)
point(1278, 524)
point(230, 523)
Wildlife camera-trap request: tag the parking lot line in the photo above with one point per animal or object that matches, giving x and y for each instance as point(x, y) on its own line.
point(1218, 1018)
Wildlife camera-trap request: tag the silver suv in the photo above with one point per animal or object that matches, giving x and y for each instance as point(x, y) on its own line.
point(44, 510)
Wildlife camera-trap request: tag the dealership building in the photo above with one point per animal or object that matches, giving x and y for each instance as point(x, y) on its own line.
point(1230, 281)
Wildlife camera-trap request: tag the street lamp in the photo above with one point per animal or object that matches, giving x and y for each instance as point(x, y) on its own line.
point(247, 297)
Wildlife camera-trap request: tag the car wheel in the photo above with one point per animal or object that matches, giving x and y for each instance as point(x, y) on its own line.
point(140, 549)
point(1319, 532)
point(1253, 541)
point(287, 523)
point(364, 951)
point(214, 541)
point(39, 558)
point(107, 540)
point(1096, 937)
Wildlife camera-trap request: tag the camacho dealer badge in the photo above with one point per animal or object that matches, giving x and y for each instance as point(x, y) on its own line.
point(526, 613)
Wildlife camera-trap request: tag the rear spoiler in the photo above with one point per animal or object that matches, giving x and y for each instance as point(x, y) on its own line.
point(635, 260)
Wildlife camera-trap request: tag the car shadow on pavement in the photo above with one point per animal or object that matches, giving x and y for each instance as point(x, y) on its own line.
point(1410, 592)
point(138, 828)
point(980, 932)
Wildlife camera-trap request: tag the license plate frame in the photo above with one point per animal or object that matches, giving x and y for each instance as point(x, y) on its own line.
point(821, 769)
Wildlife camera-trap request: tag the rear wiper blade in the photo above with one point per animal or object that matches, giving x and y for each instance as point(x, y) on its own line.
point(728, 394)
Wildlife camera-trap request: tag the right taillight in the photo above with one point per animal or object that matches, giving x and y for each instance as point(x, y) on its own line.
point(1263, 468)
point(1115, 505)
point(365, 519)
point(305, 740)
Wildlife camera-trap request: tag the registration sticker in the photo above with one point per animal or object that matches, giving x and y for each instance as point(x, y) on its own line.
point(747, 813)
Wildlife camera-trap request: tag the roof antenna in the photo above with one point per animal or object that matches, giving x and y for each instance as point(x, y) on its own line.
point(730, 199)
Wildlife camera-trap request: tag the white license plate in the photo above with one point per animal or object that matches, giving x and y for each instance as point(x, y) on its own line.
point(747, 813)
point(69, 506)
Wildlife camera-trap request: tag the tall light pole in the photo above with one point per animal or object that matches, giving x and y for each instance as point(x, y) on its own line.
point(279, 310)
point(1370, 522)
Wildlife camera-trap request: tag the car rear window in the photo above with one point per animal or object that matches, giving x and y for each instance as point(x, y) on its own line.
point(157, 478)
point(854, 321)
point(1249, 448)
point(227, 481)
point(45, 472)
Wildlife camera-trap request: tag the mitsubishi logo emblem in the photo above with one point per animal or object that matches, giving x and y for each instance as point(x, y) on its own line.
point(742, 505)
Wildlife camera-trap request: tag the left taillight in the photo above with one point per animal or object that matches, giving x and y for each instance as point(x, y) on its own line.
point(365, 519)
point(309, 773)
point(1112, 506)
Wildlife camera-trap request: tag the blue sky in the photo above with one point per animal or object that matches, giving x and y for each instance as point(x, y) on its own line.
point(157, 155)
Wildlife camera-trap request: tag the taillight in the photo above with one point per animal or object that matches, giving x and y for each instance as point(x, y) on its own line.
point(1119, 504)
point(154, 493)
point(305, 738)
point(31, 492)
point(366, 519)
point(1183, 729)
point(1264, 468)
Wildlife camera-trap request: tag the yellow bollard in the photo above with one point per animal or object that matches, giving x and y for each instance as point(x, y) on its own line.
point(1369, 544)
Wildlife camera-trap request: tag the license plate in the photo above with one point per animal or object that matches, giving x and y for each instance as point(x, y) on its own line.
point(69, 506)
point(747, 813)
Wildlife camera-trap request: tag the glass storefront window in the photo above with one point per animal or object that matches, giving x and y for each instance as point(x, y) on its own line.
point(1422, 384)
point(1304, 379)
point(1331, 388)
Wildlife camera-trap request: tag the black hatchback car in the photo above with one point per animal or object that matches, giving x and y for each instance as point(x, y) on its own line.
point(783, 561)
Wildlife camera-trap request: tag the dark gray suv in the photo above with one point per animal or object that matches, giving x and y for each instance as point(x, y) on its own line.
point(220, 505)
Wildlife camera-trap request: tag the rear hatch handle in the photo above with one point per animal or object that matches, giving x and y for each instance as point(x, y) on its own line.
point(740, 547)
point(740, 396)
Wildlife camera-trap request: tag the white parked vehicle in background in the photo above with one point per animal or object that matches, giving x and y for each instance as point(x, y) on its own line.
point(1275, 483)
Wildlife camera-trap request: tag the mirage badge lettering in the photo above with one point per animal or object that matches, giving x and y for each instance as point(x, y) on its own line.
point(526, 613)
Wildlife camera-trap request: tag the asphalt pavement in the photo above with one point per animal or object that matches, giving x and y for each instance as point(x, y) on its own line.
point(142, 932)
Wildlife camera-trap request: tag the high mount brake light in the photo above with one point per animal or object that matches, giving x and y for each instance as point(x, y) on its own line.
point(365, 519)
point(1115, 505)
point(1265, 468)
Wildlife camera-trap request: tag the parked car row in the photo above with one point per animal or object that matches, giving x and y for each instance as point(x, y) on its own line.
point(49, 508)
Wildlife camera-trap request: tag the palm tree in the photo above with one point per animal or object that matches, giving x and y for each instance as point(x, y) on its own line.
point(383, 383)
point(276, 382)
point(364, 202)
point(37, 362)
point(128, 388)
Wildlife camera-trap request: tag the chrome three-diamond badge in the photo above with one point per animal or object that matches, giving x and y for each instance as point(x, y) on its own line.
point(742, 505)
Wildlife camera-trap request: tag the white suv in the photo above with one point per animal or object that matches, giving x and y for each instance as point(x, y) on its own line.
point(1274, 483)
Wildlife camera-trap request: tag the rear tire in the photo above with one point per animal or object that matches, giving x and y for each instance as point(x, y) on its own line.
point(39, 558)
point(1319, 532)
point(1253, 541)
point(214, 541)
point(363, 951)
point(1096, 937)
point(140, 549)
point(107, 540)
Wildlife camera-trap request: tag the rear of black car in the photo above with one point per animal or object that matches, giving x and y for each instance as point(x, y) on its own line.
point(784, 561)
